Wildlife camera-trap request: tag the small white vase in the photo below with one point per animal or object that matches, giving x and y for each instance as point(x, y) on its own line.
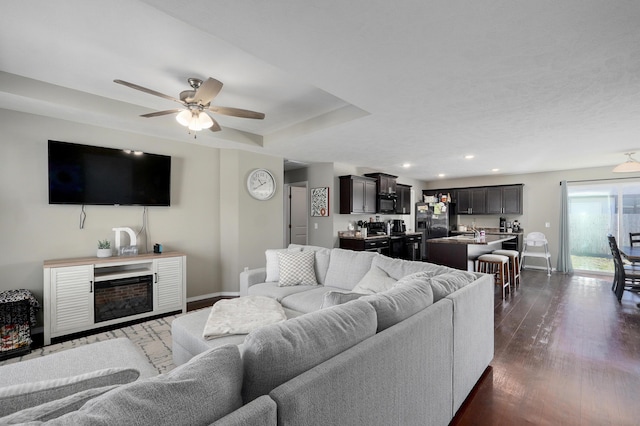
point(104, 252)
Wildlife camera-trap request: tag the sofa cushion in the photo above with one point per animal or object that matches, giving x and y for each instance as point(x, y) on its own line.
point(442, 285)
point(307, 301)
point(18, 397)
point(56, 408)
point(276, 353)
point(399, 303)
point(374, 281)
point(347, 267)
point(272, 266)
point(274, 291)
point(322, 258)
point(297, 268)
point(398, 268)
point(209, 385)
point(335, 298)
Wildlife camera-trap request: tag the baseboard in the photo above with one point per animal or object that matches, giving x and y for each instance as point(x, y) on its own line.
point(213, 296)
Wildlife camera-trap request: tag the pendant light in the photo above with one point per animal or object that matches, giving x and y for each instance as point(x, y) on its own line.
point(629, 166)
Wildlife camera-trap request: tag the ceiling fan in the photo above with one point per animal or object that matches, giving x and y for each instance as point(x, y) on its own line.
point(196, 103)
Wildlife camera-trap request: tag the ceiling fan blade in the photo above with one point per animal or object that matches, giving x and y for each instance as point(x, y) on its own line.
point(149, 91)
point(216, 127)
point(207, 91)
point(236, 112)
point(159, 113)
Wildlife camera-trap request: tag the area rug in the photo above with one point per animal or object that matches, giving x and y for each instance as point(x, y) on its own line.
point(153, 337)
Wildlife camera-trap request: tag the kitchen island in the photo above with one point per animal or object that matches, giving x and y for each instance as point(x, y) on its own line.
point(461, 251)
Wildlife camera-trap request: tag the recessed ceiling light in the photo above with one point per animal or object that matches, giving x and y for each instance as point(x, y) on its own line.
point(441, 175)
point(495, 170)
point(469, 156)
point(406, 165)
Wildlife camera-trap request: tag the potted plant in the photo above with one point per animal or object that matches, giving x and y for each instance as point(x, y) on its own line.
point(104, 248)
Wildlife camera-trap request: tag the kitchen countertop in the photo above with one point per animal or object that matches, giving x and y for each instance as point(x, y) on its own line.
point(350, 235)
point(462, 239)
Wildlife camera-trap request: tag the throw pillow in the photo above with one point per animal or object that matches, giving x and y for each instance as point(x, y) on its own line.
point(208, 386)
point(335, 298)
point(276, 353)
point(297, 268)
point(18, 397)
point(375, 281)
point(54, 409)
point(272, 268)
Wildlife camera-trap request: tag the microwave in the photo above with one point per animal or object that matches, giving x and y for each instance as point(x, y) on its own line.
point(386, 203)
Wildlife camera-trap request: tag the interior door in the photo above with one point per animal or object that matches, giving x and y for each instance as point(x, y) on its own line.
point(299, 214)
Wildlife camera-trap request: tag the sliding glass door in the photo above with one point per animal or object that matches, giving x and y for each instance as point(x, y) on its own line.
point(595, 210)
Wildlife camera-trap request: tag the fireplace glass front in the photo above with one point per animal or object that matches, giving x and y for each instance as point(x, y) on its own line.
point(123, 297)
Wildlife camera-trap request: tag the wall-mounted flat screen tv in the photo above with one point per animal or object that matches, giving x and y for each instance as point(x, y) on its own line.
point(83, 174)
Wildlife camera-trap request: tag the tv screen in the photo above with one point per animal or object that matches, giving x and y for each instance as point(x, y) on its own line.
point(83, 174)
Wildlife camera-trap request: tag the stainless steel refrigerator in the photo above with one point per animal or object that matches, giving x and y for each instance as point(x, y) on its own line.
point(432, 220)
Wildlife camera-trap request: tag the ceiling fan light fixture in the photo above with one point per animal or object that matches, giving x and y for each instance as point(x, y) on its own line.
point(184, 117)
point(199, 121)
point(629, 166)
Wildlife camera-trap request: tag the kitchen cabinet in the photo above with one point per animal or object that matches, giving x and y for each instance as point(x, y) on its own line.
point(504, 199)
point(386, 183)
point(357, 194)
point(75, 290)
point(471, 200)
point(377, 244)
point(403, 205)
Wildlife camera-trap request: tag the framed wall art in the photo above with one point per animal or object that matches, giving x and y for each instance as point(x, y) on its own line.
point(320, 201)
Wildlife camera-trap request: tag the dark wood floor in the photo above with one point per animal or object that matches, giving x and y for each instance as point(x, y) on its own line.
point(566, 353)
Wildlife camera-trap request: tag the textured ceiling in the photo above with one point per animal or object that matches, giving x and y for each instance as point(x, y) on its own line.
point(524, 86)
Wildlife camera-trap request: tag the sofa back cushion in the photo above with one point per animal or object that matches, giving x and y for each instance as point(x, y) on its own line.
point(398, 268)
point(399, 303)
point(322, 257)
point(442, 285)
point(348, 267)
point(276, 353)
point(273, 263)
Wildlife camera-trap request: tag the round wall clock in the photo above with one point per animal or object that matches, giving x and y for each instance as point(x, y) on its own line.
point(261, 184)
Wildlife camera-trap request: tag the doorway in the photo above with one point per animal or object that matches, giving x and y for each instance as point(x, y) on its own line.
point(296, 214)
point(598, 209)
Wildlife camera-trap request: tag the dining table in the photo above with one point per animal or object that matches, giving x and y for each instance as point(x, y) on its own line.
point(631, 253)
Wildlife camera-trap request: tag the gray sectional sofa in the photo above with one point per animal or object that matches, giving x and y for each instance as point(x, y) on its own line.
point(432, 340)
point(369, 340)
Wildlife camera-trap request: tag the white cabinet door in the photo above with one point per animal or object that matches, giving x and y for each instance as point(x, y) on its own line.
point(168, 282)
point(71, 298)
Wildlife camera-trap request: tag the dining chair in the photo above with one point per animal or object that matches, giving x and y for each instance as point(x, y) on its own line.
point(626, 277)
point(634, 239)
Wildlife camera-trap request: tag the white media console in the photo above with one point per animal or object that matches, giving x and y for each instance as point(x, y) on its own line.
point(87, 293)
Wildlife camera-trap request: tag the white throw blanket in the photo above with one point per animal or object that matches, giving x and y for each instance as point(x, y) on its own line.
point(242, 315)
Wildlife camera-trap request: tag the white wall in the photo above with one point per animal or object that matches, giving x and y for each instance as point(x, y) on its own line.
point(33, 231)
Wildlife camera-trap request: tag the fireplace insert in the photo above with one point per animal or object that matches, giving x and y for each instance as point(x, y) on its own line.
point(123, 297)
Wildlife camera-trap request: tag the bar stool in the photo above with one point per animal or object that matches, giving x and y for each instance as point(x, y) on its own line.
point(514, 264)
point(497, 265)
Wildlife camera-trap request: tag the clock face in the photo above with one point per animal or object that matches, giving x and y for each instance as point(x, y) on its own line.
point(261, 184)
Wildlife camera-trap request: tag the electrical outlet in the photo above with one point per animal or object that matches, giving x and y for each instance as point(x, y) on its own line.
point(315, 226)
point(547, 224)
